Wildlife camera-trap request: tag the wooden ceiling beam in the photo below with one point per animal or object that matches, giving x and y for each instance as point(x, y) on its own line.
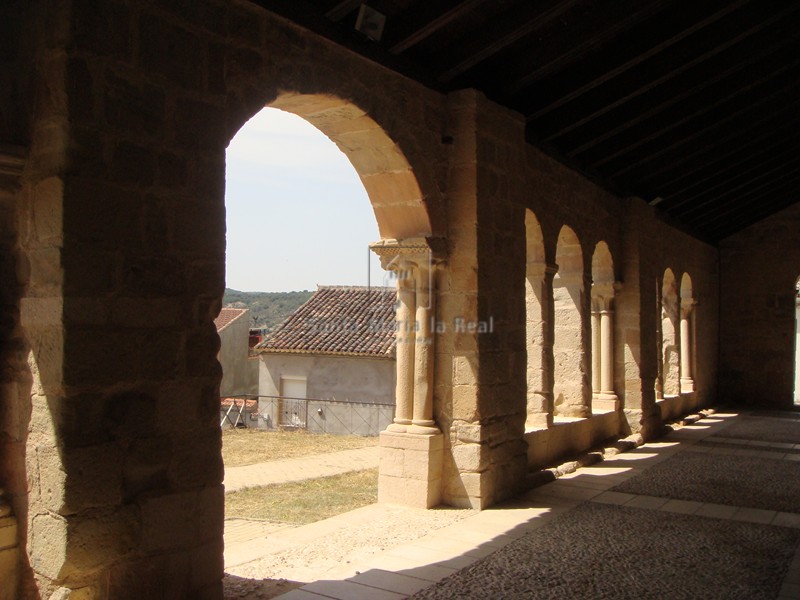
point(735, 68)
point(743, 189)
point(704, 130)
point(705, 108)
point(755, 160)
point(672, 73)
point(639, 58)
point(502, 32)
point(520, 82)
point(427, 20)
point(342, 9)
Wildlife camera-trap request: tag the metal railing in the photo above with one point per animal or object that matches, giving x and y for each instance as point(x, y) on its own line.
point(316, 415)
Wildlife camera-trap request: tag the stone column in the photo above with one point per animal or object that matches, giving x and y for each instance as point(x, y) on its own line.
point(607, 355)
point(404, 349)
point(423, 354)
point(687, 383)
point(412, 447)
point(605, 398)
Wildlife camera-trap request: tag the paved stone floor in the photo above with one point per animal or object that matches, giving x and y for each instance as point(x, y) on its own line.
point(612, 531)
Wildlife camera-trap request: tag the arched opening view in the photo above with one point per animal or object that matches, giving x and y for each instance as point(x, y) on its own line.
point(603, 395)
point(308, 359)
point(571, 391)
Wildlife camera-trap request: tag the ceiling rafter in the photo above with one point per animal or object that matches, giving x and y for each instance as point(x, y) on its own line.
point(639, 58)
point(752, 171)
point(705, 108)
point(751, 160)
point(742, 190)
point(759, 131)
point(708, 128)
point(575, 53)
point(675, 99)
point(342, 9)
point(502, 32)
point(757, 212)
point(677, 71)
point(421, 26)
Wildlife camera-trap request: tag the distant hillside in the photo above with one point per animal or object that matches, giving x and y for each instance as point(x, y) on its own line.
point(267, 309)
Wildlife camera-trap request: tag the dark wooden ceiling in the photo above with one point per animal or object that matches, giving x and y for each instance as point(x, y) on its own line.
point(693, 106)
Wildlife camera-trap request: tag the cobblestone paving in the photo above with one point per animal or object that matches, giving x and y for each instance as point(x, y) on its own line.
point(765, 429)
point(616, 552)
point(750, 481)
point(736, 444)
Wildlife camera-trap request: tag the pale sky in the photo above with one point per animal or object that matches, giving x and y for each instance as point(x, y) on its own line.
point(297, 213)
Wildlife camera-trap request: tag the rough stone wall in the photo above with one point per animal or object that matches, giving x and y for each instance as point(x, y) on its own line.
point(759, 267)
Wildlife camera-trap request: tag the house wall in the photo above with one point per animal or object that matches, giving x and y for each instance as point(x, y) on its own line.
point(113, 228)
point(237, 370)
point(759, 267)
point(346, 379)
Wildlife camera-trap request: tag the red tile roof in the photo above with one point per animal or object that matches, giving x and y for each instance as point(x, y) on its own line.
point(354, 321)
point(227, 316)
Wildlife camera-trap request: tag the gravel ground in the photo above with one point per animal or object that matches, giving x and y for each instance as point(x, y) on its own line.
point(278, 573)
point(764, 429)
point(752, 482)
point(614, 552)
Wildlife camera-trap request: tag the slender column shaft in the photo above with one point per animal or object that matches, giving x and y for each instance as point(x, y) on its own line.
point(687, 383)
point(606, 351)
point(405, 340)
point(686, 362)
point(597, 360)
point(423, 356)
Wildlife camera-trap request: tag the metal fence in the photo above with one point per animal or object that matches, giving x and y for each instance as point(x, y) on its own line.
point(311, 414)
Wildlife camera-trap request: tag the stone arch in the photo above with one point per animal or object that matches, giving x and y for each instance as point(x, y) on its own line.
point(571, 390)
point(390, 181)
point(538, 343)
point(603, 326)
point(670, 355)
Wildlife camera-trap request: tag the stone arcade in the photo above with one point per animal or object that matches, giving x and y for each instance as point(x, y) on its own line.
point(114, 119)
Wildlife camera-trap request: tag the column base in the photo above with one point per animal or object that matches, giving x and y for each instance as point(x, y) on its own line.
point(605, 401)
point(410, 471)
point(687, 385)
point(399, 426)
point(423, 428)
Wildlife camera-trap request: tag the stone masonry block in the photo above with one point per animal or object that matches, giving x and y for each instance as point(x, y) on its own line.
point(470, 457)
point(391, 462)
point(426, 466)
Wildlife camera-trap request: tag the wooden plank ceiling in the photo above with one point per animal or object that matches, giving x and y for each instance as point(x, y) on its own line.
point(694, 106)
